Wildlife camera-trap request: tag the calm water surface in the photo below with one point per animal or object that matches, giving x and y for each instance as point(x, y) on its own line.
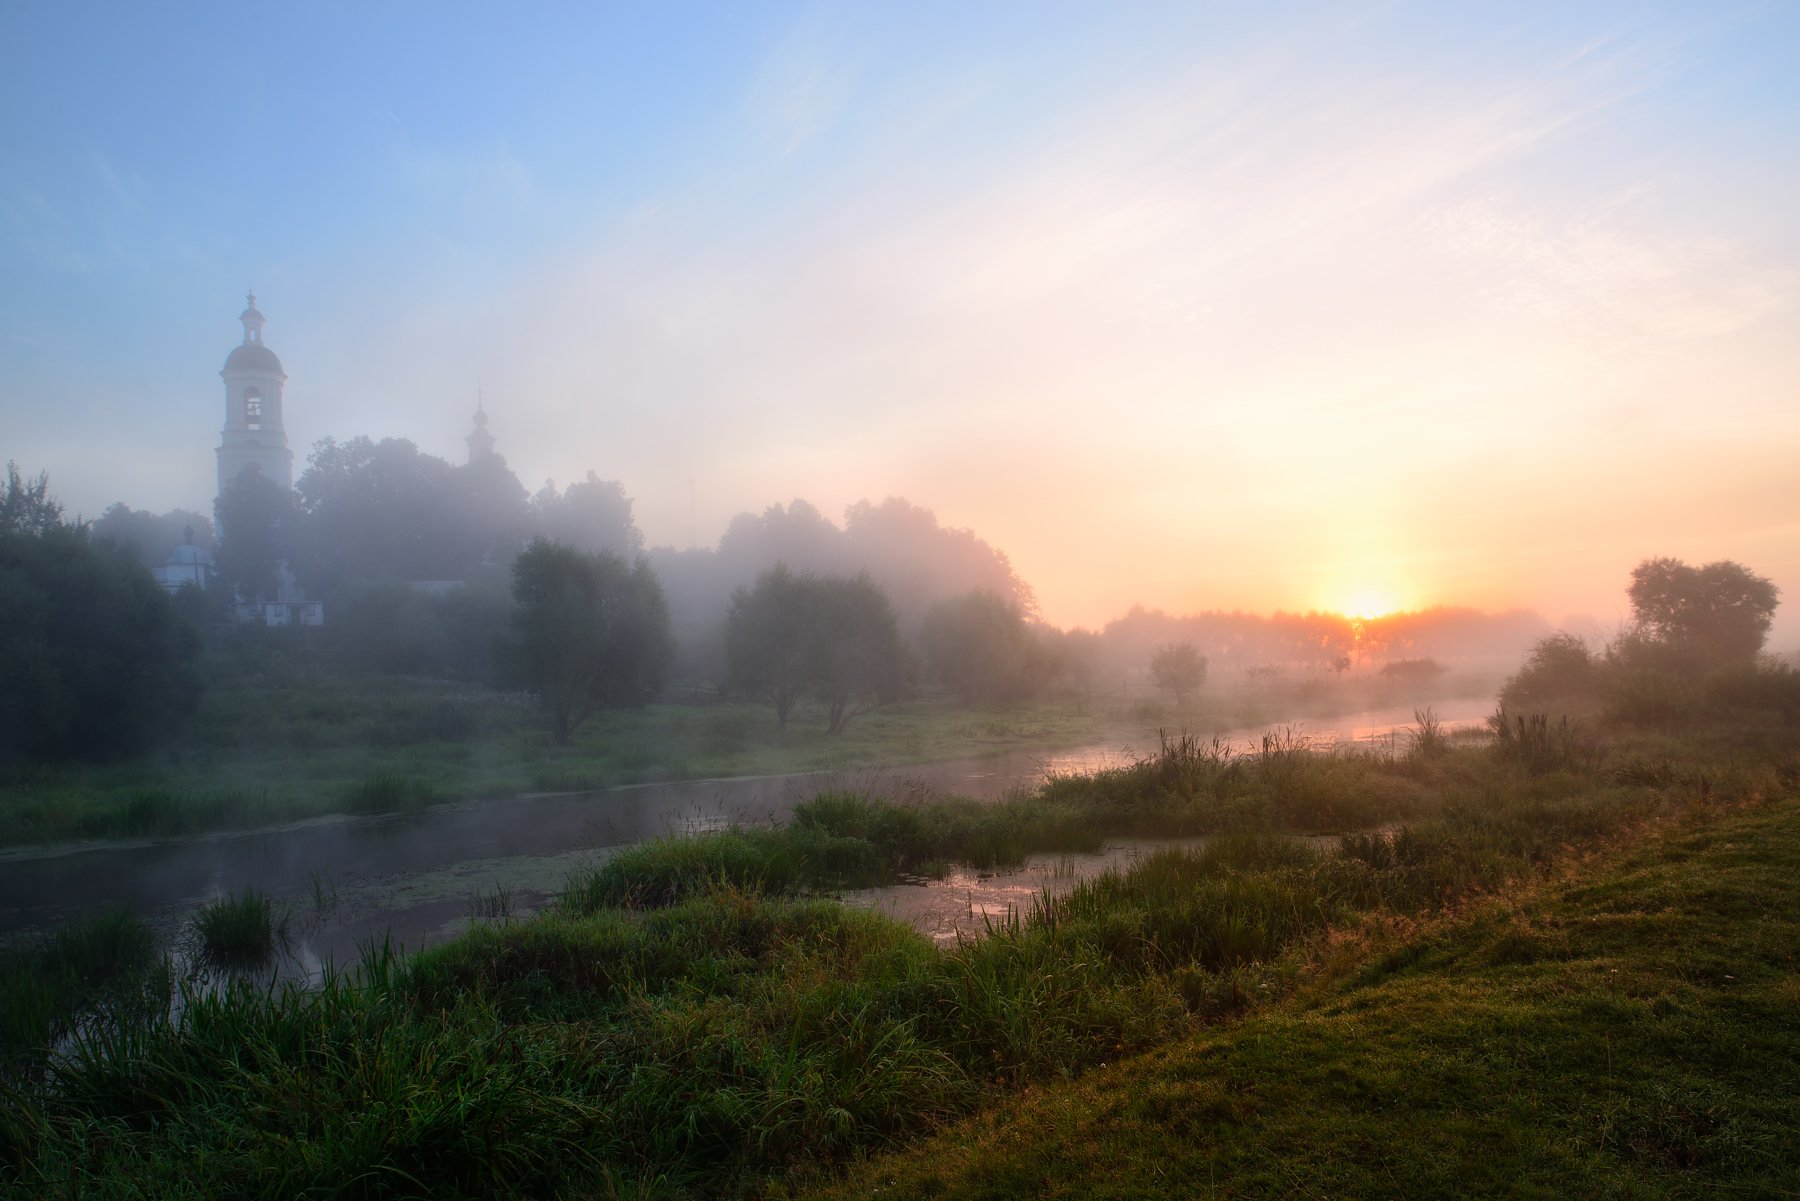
point(422, 877)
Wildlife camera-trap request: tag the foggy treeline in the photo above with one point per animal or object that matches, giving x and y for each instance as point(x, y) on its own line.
point(412, 556)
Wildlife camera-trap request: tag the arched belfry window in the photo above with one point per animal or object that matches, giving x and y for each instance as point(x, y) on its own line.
point(253, 408)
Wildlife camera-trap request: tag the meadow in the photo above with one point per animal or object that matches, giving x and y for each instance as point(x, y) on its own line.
point(698, 1019)
point(289, 736)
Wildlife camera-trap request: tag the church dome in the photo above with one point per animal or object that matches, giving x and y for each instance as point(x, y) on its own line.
point(253, 356)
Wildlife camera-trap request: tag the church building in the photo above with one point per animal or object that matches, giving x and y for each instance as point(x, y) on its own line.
point(254, 435)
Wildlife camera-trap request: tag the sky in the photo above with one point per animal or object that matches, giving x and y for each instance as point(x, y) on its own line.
point(1276, 306)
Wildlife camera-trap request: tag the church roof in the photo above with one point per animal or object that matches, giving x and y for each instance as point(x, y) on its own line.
point(252, 356)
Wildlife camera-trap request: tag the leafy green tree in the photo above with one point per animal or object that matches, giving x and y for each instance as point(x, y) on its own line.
point(767, 635)
point(591, 632)
point(255, 517)
point(151, 536)
point(920, 562)
point(1560, 673)
point(979, 646)
point(384, 510)
point(591, 514)
point(26, 507)
point(855, 661)
point(389, 626)
point(1179, 667)
point(96, 661)
point(1699, 618)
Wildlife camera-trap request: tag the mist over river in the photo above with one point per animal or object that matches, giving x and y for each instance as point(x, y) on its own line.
point(419, 878)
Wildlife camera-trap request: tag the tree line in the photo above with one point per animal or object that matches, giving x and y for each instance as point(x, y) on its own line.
point(555, 592)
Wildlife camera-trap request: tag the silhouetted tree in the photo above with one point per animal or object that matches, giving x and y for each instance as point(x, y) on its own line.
point(27, 507)
point(151, 536)
point(979, 646)
point(95, 660)
point(1701, 617)
point(374, 510)
point(855, 661)
point(255, 517)
point(1560, 673)
point(796, 534)
point(1179, 667)
point(591, 515)
point(591, 632)
point(390, 626)
point(920, 562)
point(767, 638)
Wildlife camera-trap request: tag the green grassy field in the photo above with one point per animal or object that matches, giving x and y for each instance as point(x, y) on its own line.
point(1631, 1031)
point(1544, 975)
point(298, 738)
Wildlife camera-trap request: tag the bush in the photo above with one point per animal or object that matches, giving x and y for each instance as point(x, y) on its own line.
point(96, 661)
point(1560, 674)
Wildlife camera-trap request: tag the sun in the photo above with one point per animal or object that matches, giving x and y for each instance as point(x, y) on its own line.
point(1367, 604)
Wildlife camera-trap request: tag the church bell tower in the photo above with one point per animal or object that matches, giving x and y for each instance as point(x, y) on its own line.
point(254, 435)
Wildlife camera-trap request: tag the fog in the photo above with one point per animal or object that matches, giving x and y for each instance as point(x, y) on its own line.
point(694, 596)
point(1352, 311)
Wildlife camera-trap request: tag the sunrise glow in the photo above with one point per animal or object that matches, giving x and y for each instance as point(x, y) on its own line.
point(1367, 604)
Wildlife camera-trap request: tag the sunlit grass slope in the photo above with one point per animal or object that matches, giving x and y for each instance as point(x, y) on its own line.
point(1633, 1032)
point(692, 1024)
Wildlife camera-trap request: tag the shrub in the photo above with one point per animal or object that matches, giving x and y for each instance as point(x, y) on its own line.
point(1559, 674)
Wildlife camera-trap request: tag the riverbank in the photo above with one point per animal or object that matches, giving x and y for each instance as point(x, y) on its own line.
point(292, 742)
point(1630, 1030)
point(723, 1038)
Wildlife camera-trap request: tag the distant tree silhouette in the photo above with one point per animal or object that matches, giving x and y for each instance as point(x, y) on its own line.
point(832, 638)
point(1560, 673)
point(96, 661)
point(591, 631)
point(768, 633)
point(1701, 617)
point(27, 507)
point(384, 510)
point(1179, 667)
point(151, 536)
point(980, 646)
point(255, 518)
point(855, 661)
point(591, 515)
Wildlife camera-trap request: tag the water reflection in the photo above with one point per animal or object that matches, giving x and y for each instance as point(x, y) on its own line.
point(422, 877)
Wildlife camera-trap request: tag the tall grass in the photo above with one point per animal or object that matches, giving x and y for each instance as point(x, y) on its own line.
point(684, 1022)
point(241, 930)
point(1540, 745)
point(48, 985)
point(389, 793)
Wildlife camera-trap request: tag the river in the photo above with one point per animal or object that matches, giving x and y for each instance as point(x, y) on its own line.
point(420, 877)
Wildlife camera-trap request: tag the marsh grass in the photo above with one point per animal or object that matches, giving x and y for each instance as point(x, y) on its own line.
point(1541, 745)
point(389, 793)
point(1427, 737)
point(834, 841)
point(688, 1020)
point(48, 985)
point(240, 931)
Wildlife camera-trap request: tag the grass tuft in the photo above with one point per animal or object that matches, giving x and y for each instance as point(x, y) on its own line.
point(240, 931)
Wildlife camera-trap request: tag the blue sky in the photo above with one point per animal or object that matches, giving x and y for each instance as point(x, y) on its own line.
point(1472, 303)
